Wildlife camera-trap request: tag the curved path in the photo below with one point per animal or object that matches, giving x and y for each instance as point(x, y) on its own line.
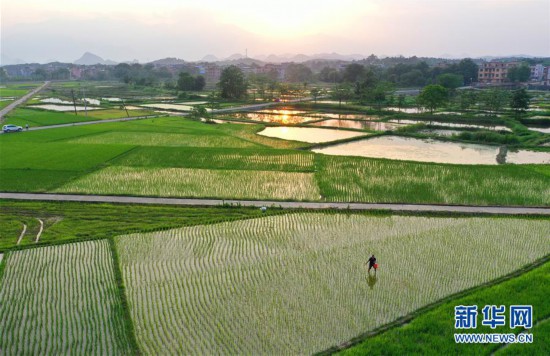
point(500, 210)
point(21, 100)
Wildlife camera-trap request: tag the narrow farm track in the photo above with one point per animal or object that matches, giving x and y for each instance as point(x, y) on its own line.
point(22, 234)
point(219, 111)
point(21, 100)
point(468, 209)
point(39, 231)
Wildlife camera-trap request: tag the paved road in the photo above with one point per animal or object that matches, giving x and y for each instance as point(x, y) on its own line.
point(21, 100)
point(252, 203)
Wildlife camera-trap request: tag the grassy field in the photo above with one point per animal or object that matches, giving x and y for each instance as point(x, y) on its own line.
point(203, 183)
point(67, 221)
point(61, 300)
point(45, 160)
point(17, 90)
point(345, 179)
point(432, 332)
point(269, 286)
point(36, 117)
point(219, 158)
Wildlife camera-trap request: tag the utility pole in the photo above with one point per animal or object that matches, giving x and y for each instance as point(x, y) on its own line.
point(74, 101)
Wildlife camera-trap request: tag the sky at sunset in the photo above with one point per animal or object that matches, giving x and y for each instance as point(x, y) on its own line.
point(121, 30)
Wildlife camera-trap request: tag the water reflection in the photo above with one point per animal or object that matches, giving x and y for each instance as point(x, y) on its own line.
point(283, 118)
point(446, 133)
point(540, 129)
point(347, 116)
point(55, 101)
point(412, 149)
point(308, 134)
point(363, 125)
point(54, 107)
point(452, 124)
point(528, 157)
point(406, 110)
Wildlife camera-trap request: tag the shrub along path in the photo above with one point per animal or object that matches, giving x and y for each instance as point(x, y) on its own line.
point(499, 210)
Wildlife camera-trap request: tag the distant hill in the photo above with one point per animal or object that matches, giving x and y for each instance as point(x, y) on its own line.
point(6, 60)
point(233, 57)
point(299, 58)
point(210, 58)
point(90, 59)
point(168, 61)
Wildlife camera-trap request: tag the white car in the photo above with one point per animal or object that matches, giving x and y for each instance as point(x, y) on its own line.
point(11, 128)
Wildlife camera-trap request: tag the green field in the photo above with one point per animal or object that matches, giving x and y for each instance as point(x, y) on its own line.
point(38, 117)
point(432, 332)
point(219, 158)
point(344, 179)
point(237, 281)
point(72, 221)
point(17, 90)
point(165, 155)
point(204, 183)
point(62, 300)
point(269, 286)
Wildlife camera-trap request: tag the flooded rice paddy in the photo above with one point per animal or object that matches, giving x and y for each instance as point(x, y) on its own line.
point(355, 124)
point(452, 124)
point(61, 108)
point(412, 149)
point(279, 118)
point(178, 107)
point(55, 101)
point(540, 129)
point(308, 134)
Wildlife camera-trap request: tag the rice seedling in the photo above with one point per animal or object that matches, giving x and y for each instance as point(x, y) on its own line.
point(350, 179)
point(184, 182)
point(218, 158)
point(61, 300)
point(431, 332)
point(163, 139)
point(297, 284)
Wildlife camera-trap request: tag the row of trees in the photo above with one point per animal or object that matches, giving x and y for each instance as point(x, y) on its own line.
point(493, 100)
point(403, 74)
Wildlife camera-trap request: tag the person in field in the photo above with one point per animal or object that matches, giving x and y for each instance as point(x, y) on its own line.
point(372, 263)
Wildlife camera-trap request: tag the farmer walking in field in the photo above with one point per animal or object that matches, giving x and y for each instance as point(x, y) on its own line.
point(372, 263)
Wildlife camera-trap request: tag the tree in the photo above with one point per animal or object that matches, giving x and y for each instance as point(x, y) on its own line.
point(432, 96)
point(400, 101)
point(381, 91)
point(520, 101)
point(329, 75)
point(353, 72)
point(232, 83)
point(213, 103)
point(519, 74)
point(468, 69)
point(342, 92)
point(494, 99)
point(315, 93)
point(186, 82)
point(450, 81)
point(198, 112)
point(298, 73)
point(200, 82)
point(467, 99)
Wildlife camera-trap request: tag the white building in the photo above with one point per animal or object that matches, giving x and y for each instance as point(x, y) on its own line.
point(537, 72)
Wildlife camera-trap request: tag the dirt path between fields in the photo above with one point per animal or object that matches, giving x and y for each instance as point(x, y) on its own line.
point(22, 234)
point(498, 210)
point(39, 231)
